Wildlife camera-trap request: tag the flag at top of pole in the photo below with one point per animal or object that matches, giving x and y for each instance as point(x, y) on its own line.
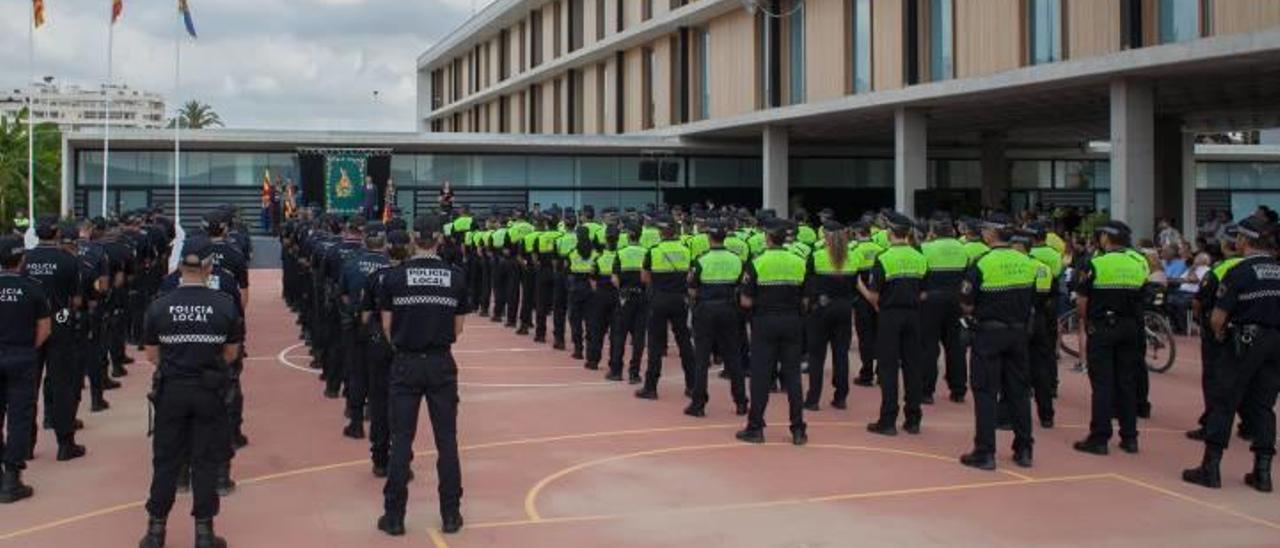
point(38, 12)
point(186, 17)
point(117, 9)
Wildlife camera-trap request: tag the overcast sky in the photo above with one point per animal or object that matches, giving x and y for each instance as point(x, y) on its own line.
point(279, 64)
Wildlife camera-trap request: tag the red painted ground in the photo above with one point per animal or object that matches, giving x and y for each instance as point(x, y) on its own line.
point(555, 456)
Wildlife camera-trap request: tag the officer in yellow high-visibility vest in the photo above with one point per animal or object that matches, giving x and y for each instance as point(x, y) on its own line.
point(772, 289)
point(713, 283)
point(666, 271)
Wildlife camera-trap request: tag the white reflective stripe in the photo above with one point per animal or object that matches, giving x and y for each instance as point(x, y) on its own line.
point(418, 300)
point(193, 339)
point(1255, 295)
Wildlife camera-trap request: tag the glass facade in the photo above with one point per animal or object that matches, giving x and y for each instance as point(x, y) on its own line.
point(1238, 175)
point(841, 172)
point(1044, 26)
point(795, 55)
point(941, 50)
point(1060, 174)
point(861, 46)
point(1179, 20)
point(155, 168)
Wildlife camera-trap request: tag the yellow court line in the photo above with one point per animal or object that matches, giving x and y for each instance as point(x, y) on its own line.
point(793, 501)
point(1199, 502)
point(73, 519)
point(531, 497)
point(437, 539)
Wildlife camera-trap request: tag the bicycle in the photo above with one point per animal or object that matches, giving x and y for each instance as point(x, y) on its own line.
point(1161, 348)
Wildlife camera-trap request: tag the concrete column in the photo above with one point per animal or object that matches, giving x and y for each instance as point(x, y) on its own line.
point(910, 158)
point(1133, 155)
point(1189, 204)
point(995, 171)
point(776, 154)
point(1171, 171)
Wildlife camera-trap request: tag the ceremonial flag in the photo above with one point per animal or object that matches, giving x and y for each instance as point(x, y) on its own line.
point(38, 12)
point(117, 8)
point(266, 188)
point(186, 17)
point(389, 202)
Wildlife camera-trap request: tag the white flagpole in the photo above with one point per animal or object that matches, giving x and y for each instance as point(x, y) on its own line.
point(179, 234)
point(106, 136)
point(31, 129)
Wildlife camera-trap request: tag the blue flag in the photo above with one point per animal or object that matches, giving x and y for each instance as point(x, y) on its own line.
point(186, 17)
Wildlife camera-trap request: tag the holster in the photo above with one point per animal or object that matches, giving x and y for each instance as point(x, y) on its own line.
point(153, 400)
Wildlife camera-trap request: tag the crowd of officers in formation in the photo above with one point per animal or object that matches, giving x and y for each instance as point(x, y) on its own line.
point(380, 305)
point(71, 305)
point(770, 298)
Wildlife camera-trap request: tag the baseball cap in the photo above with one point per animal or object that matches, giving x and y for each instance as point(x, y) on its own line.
point(11, 247)
point(47, 227)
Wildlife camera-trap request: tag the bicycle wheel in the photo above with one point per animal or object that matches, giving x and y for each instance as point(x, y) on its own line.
point(1069, 333)
point(1161, 346)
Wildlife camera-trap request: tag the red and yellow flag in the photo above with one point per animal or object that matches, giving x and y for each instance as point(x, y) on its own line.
point(37, 11)
point(117, 8)
point(266, 188)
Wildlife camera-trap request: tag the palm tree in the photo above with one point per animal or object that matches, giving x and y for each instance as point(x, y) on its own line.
point(197, 115)
point(13, 166)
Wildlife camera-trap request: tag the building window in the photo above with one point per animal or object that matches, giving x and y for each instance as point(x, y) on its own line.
point(535, 38)
point(600, 70)
point(941, 52)
point(1179, 20)
point(795, 55)
point(600, 20)
point(556, 30)
point(649, 61)
point(535, 108)
point(704, 74)
point(1044, 26)
point(646, 10)
point(861, 46)
point(575, 24)
point(504, 54)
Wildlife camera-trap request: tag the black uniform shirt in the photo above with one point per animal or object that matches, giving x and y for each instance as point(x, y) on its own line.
point(22, 303)
point(228, 257)
point(120, 256)
point(219, 280)
point(337, 256)
point(191, 324)
point(1250, 292)
point(57, 271)
point(423, 295)
point(94, 266)
point(356, 272)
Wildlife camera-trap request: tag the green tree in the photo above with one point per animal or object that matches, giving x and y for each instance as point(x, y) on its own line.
point(13, 167)
point(197, 115)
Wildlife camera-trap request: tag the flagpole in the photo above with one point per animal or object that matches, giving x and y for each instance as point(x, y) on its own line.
point(31, 128)
point(180, 233)
point(106, 137)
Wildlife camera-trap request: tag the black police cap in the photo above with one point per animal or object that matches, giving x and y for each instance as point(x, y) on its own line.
point(1038, 229)
point(1114, 228)
point(69, 232)
point(997, 221)
point(11, 247)
point(216, 218)
point(1254, 227)
point(1021, 236)
point(47, 227)
point(397, 238)
point(898, 220)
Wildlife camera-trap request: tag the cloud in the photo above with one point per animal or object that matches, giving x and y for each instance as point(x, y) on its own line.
point(287, 64)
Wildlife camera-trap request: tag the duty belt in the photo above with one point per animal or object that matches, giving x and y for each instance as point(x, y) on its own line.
point(996, 325)
point(423, 354)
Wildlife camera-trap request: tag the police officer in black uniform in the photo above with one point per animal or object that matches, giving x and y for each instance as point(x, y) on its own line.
point(227, 255)
point(192, 334)
point(24, 327)
point(353, 283)
point(424, 305)
point(95, 275)
point(1246, 317)
point(59, 275)
point(379, 354)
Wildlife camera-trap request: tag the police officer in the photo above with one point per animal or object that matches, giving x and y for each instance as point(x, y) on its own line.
point(998, 293)
point(772, 289)
point(545, 251)
point(229, 256)
point(1246, 317)
point(95, 273)
point(565, 245)
point(940, 310)
point(192, 334)
point(354, 282)
point(632, 317)
point(343, 318)
point(423, 303)
point(863, 253)
point(59, 275)
point(666, 273)
point(522, 297)
point(1109, 300)
point(121, 255)
point(603, 302)
point(1206, 298)
point(830, 285)
point(714, 281)
point(1044, 325)
point(893, 289)
point(379, 354)
point(24, 328)
point(582, 264)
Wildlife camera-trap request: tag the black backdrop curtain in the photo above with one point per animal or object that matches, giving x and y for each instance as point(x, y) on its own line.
point(311, 176)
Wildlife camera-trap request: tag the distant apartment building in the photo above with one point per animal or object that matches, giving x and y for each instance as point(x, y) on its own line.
point(74, 107)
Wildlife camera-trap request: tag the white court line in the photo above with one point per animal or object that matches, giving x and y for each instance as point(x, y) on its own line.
point(283, 358)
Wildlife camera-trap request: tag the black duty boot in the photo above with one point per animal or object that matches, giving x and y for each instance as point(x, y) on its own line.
point(69, 451)
point(647, 393)
point(11, 487)
point(981, 461)
point(558, 345)
point(205, 537)
point(883, 429)
point(1207, 474)
point(391, 525)
point(239, 440)
point(799, 436)
point(1260, 477)
point(450, 521)
point(1022, 457)
point(154, 538)
point(695, 410)
point(577, 354)
point(750, 435)
point(355, 430)
point(99, 405)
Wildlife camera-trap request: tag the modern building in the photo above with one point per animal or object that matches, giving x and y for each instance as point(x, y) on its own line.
point(852, 104)
point(74, 107)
